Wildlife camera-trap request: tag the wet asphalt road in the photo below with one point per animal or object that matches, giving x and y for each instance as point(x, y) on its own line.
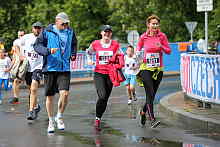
point(120, 125)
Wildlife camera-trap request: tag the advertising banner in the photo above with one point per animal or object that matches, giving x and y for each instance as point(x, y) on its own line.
point(200, 76)
point(80, 64)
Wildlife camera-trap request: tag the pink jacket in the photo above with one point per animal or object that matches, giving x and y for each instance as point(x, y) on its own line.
point(149, 44)
point(116, 63)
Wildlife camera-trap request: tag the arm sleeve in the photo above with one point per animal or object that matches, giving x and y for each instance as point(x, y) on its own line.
point(89, 52)
point(40, 45)
point(165, 45)
point(140, 44)
point(74, 45)
point(139, 47)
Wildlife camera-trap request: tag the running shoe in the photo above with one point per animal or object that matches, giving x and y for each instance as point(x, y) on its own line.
point(134, 96)
point(154, 123)
point(129, 102)
point(98, 124)
point(51, 127)
point(143, 118)
point(31, 115)
point(38, 108)
point(60, 123)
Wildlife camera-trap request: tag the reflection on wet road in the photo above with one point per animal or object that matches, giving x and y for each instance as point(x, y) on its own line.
point(120, 125)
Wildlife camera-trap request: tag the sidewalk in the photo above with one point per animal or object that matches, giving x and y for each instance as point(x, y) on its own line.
point(187, 111)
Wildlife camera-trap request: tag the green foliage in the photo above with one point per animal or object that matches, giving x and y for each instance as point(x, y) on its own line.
point(88, 15)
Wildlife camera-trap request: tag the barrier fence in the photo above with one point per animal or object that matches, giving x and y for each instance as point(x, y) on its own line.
point(171, 62)
point(200, 76)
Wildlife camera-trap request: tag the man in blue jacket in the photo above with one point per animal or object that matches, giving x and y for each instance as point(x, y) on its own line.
point(58, 45)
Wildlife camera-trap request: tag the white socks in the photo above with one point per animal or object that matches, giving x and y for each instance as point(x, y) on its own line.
point(59, 115)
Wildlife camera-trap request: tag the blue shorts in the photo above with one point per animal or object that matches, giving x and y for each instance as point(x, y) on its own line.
point(130, 79)
point(5, 82)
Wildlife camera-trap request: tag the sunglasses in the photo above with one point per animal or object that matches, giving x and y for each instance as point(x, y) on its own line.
point(64, 24)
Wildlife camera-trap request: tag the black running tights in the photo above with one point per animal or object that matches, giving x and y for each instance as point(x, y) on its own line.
point(150, 86)
point(103, 86)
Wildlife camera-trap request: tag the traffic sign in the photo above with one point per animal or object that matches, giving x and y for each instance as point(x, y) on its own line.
point(204, 5)
point(191, 27)
point(133, 37)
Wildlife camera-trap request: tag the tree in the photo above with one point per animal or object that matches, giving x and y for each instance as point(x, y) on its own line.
point(86, 18)
point(11, 13)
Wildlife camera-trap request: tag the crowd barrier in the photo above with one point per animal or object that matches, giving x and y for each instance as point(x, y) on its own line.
point(171, 62)
point(200, 76)
point(194, 145)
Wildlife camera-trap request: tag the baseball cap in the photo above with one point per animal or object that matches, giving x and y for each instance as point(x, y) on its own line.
point(63, 16)
point(106, 28)
point(37, 24)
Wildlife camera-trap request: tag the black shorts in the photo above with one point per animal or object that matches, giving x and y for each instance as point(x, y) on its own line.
point(35, 75)
point(56, 81)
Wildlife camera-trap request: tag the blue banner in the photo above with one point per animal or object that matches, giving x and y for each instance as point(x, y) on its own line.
point(200, 76)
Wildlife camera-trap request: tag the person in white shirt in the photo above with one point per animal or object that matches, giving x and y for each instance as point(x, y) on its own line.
point(17, 41)
point(34, 74)
point(16, 82)
point(4, 71)
point(130, 71)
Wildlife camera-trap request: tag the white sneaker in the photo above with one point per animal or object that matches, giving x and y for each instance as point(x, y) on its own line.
point(60, 123)
point(129, 102)
point(51, 127)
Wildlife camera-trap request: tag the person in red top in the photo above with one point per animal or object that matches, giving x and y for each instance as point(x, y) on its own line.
point(104, 49)
point(154, 43)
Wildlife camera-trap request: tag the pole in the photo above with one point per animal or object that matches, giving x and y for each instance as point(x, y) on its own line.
point(191, 36)
point(206, 31)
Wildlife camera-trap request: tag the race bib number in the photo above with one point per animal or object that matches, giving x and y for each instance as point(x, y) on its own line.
point(153, 60)
point(32, 55)
point(104, 56)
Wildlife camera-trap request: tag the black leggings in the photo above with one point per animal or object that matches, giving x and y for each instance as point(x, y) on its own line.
point(103, 86)
point(150, 86)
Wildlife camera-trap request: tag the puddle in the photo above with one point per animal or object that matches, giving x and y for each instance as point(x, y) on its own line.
point(77, 137)
point(161, 143)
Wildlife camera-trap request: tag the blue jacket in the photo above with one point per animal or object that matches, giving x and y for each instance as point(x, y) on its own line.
point(59, 61)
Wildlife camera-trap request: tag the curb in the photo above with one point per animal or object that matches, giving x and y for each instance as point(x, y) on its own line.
point(171, 73)
point(190, 119)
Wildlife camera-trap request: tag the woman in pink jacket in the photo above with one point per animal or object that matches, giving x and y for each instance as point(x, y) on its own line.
point(154, 43)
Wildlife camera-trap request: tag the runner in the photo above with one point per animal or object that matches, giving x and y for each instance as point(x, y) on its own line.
point(16, 82)
point(131, 70)
point(58, 45)
point(17, 41)
point(104, 48)
point(154, 43)
point(34, 74)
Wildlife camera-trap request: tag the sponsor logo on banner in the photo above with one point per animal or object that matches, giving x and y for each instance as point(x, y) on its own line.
point(200, 76)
